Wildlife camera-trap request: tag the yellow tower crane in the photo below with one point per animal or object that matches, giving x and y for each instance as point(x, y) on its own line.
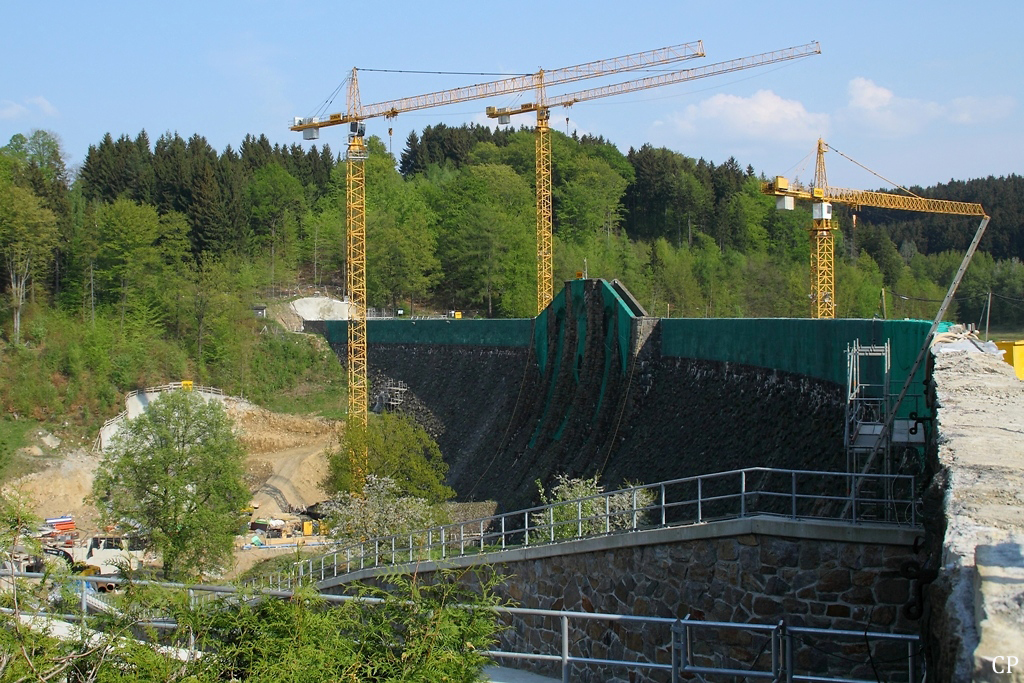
point(543, 106)
point(823, 294)
point(355, 180)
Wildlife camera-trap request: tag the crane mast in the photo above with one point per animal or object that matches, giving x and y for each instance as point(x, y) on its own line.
point(355, 189)
point(545, 269)
point(823, 299)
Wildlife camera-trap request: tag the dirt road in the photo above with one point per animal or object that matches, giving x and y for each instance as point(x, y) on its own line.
point(295, 483)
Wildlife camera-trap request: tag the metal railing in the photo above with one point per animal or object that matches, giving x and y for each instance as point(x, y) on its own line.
point(171, 386)
point(840, 497)
point(784, 640)
point(688, 655)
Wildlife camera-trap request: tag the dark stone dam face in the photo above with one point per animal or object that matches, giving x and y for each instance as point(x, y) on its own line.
point(590, 387)
point(593, 387)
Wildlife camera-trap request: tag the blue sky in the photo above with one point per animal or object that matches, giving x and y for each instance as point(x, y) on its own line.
point(921, 92)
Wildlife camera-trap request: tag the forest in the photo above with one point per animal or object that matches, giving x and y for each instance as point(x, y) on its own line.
point(143, 263)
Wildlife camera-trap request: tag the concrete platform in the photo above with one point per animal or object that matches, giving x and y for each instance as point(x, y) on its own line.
point(501, 674)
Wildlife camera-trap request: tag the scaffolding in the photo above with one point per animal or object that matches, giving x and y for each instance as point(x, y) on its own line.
point(867, 408)
point(391, 396)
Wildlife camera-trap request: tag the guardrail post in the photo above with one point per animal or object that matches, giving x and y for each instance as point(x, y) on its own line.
point(743, 493)
point(853, 500)
point(442, 543)
point(793, 494)
point(551, 522)
point(675, 649)
point(579, 518)
point(503, 532)
point(663, 505)
point(191, 632)
point(789, 656)
point(565, 648)
point(392, 550)
point(777, 633)
point(322, 572)
point(607, 515)
point(700, 511)
point(633, 505)
point(481, 535)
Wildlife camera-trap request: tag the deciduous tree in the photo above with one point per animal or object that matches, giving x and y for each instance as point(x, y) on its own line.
point(174, 474)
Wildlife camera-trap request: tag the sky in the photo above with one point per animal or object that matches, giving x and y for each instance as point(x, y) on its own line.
point(918, 92)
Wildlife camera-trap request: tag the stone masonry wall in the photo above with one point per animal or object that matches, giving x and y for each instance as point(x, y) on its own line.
point(746, 578)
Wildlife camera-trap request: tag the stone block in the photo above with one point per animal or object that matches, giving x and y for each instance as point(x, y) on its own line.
point(884, 615)
point(728, 573)
point(834, 581)
point(793, 606)
point(858, 595)
point(699, 572)
point(751, 581)
point(810, 555)
point(776, 586)
point(864, 577)
point(749, 558)
point(850, 556)
point(892, 590)
point(635, 642)
point(837, 611)
point(727, 550)
point(767, 607)
point(748, 539)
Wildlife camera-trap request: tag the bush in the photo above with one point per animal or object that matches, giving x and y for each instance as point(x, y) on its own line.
point(397, 448)
point(567, 518)
point(380, 509)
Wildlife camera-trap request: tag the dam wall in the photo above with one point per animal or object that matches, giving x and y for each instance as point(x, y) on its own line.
point(590, 387)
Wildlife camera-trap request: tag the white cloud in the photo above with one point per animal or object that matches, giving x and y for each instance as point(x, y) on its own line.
point(973, 110)
point(43, 105)
point(762, 116)
point(11, 110)
point(882, 112)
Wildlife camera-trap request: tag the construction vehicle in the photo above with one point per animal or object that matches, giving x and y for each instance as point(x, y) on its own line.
point(543, 106)
point(823, 294)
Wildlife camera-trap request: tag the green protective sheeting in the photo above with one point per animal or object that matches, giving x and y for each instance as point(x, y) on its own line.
point(471, 332)
point(815, 348)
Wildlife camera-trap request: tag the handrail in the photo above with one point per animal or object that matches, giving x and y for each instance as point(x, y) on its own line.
point(842, 497)
point(680, 639)
point(170, 386)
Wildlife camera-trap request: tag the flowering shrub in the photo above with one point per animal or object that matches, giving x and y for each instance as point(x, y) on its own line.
point(597, 514)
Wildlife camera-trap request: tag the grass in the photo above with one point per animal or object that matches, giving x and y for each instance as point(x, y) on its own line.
point(14, 435)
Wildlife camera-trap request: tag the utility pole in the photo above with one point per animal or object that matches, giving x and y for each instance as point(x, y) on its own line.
point(988, 313)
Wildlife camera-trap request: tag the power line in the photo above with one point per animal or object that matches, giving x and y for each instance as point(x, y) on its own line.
point(440, 73)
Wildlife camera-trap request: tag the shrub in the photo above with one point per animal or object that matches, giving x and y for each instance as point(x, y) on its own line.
point(597, 514)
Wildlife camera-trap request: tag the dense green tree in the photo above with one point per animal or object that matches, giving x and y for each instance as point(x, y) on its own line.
point(399, 450)
point(276, 201)
point(401, 259)
point(172, 174)
point(174, 474)
point(28, 233)
point(489, 256)
point(128, 257)
point(207, 214)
